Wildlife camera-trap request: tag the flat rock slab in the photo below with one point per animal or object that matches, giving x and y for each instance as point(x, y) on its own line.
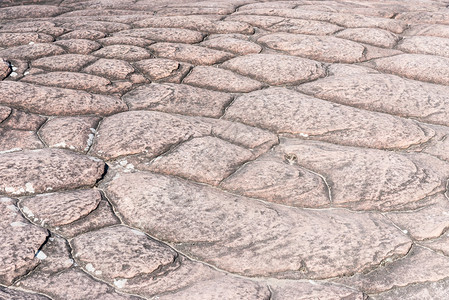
point(232, 232)
point(123, 52)
point(20, 241)
point(205, 159)
point(385, 93)
point(302, 290)
point(6, 293)
point(64, 62)
point(276, 69)
point(177, 98)
point(39, 171)
point(421, 265)
point(30, 52)
point(422, 67)
point(74, 133)
point(279, 181)
point(425, 45)
point(427, 290)
point(373, 36)
point(174, 35)
point(72, 284)
point(190, 53)
point(136, 132)
point(284, 111)
point(234, 45)
point(200, 23)
point(110, 68)
point(11, 39)
point(57, 101)
point(13, 140)
point(323, 48)
point(59, 209)
point(221, 80)
point(367, 179)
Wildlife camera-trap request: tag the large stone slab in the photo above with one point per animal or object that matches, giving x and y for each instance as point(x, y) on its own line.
point(133, 262)
point(174, 35)
point(141, 132)
point(205, 159)
point(421, 265)
point(123, 52)
point(425, 45)
point(177, 98)
point(75, 133)
point(200, 23)
point(285, 111)
point(279, 181)
point(302, 290)
point(78, 81)
point(57, 101)
point(72, 284)
point(190, 53)
point(373, 36)
point(59, 209)
point(323, 48)
point(19, 243)
point(385, 93)
point(10, 39)
point(276, 69)
point(427, 223)
point(419, 291)
point(39, 171)
point(234, 45)
point(64, 62)
point(368, 179)
point(13, 140)
point(422, 67)
point(30, 52)
point(244, 236)
point(6, 293)
point(221, 80)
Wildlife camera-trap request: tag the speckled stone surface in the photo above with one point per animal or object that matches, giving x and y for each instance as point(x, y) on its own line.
point(240, 149)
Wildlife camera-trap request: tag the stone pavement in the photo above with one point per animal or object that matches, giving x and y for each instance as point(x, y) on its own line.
point(239, 149)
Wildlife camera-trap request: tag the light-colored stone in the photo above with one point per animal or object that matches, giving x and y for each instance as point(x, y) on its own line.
point(158, 68)
point(177, 98)
point(372, 36)
point(426, 223)
point(244, 236)
point(233, 45)
point(79, 46)
point(57, 101)
point(110, 68)
point(123, 52)
point(221, 80)
point(140, 132)
point(23, 121)
point(422, 67)
point(200, 23)
point(385, 93)
point(65, 62)
point(284, 111)
point(30, 52)
point(368, 179)
point(6, 293)
point(301, 290)
point(11, 39)
point(425, 45)
point(205, 159)
point(323, 48)
point(11, 139)
point(19, 242)
point(173, 35)
point(419, 291)
point(39, 171)
point(190, 53)
point(75, 133)
point(421, 265)
point(276, 69)
point(59, 209)
point(121, 253)
point(279, 181)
